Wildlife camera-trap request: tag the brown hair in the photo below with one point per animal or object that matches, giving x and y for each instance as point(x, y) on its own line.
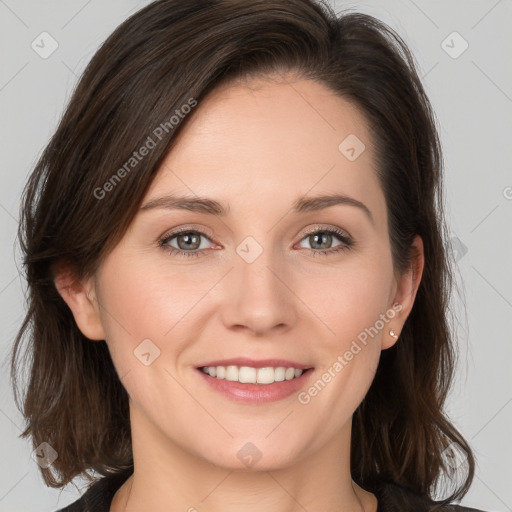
point(170, 54)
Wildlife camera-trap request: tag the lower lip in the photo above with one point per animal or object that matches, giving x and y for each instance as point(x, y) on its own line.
point(257, 393)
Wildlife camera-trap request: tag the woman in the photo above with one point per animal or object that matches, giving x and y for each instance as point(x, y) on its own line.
point(235, 249)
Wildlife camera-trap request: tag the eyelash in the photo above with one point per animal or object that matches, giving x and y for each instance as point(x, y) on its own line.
point(346, 244)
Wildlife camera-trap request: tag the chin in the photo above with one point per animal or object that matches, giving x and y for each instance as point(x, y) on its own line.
point(255, 455)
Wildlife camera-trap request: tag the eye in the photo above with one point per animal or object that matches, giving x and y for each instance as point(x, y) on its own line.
point(185, 242)
point(322, 240)
point(190, 242)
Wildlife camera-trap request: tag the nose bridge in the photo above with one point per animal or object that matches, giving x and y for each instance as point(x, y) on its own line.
point(257, 298)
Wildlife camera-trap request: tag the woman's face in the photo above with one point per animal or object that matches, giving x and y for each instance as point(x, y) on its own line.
point(264, 280)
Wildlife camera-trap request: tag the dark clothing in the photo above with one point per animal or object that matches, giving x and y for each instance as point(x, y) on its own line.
point(390, 497)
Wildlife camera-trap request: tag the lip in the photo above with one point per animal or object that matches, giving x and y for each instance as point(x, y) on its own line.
point(256, 393)
point(262, 363)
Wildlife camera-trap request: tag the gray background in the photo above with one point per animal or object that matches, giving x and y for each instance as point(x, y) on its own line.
point(472, 96)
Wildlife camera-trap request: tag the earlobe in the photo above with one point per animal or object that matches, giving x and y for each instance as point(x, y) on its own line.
point(403, 301)
point(81, 299)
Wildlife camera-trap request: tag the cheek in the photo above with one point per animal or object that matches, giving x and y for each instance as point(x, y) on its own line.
point(348, 299)
point(361, 319)
point(349, 303)
point(142, 310)
point(149, 300)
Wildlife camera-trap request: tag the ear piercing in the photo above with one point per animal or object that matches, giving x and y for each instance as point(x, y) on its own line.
point(392, 333)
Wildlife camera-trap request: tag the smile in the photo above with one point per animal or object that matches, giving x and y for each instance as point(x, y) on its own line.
point(248, 375)
point(250, 385)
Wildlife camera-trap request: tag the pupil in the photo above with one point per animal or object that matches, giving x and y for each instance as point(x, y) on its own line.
point(324, 243)
point(191, 241)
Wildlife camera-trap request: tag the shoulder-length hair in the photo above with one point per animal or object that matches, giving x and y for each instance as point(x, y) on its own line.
point(78, 202)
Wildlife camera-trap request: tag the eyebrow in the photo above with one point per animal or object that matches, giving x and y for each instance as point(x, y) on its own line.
point(213, 207)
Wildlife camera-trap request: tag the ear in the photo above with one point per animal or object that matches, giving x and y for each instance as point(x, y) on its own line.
point(406, 288)
point(80, 296)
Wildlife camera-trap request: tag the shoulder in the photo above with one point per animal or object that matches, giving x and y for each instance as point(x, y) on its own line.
point(395, 498)
point(99, 495)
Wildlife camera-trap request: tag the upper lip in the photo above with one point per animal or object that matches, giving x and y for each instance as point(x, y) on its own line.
point(262, 363)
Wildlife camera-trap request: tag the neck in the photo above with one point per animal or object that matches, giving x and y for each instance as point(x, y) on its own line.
point(167, 477)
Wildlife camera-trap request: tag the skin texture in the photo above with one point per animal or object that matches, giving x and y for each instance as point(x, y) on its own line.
point(257, 147)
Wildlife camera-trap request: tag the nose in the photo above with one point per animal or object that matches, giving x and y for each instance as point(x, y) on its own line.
point(258, 299)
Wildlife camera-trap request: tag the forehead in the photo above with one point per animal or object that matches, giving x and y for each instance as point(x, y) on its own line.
point(266, 141)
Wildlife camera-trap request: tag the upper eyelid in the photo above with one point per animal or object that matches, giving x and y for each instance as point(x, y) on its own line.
point(323, 228)
point(176, 231)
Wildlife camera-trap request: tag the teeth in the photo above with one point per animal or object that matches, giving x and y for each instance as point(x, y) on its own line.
point(246, 374)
